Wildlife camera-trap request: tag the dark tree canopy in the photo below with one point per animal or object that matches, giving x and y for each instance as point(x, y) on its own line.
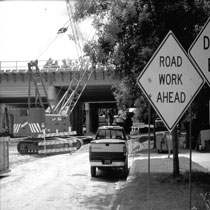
point(130, 31)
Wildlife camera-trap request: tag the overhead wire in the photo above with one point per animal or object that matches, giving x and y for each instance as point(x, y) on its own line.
point(52, 40)
point(76, 37)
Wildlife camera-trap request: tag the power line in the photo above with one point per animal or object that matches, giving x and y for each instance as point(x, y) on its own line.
point(73, 28)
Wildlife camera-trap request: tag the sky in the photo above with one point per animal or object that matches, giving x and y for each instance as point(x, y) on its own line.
point(28, 27)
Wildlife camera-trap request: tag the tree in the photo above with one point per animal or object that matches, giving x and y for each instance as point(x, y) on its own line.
point(130, 31)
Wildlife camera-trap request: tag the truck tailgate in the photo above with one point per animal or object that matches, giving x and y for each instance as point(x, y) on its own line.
point(107, 146)
point(108, 151)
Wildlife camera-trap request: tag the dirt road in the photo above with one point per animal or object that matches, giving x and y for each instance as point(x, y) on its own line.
point(59, 182)
point(63, 182)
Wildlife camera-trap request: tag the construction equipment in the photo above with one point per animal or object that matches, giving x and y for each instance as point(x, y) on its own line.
point(49, 126)
point(75, 89)
point(39, 126)
point(77, 85)
point(40, 132)
point(35, 76)
point(49, 131)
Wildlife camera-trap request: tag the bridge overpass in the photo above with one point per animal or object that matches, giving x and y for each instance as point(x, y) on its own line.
point(14, 85)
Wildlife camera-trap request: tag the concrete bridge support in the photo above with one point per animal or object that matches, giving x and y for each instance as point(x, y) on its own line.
point(91, 114)
point(52, 92)
point(76, 118)
point(87, 116)
point(91, 117)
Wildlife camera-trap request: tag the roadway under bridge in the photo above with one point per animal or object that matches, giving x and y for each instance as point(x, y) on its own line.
point(14, 88)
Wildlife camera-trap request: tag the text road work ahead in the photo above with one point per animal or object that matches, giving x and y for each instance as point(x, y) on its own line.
point(170, 79)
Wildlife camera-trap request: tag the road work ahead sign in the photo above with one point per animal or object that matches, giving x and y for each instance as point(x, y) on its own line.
point(170, 81)
point(200, 51)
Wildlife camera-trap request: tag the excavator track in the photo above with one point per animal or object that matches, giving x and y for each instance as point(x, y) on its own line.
point(28, 147)
point(51, 145)
point(37, 147)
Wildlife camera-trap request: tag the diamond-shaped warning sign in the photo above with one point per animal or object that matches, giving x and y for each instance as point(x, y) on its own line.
point(200, 51)
point(170, 81)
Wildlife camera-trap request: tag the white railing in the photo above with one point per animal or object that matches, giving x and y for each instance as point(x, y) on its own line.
point(48, 65)
point(44, 65)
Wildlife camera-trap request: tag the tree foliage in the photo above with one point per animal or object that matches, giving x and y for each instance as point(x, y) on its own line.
point(130, 31)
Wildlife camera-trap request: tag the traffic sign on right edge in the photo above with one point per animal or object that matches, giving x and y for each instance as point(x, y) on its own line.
point(170, 81)
point(200, 51)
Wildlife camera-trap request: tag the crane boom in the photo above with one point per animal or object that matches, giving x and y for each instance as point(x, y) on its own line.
point(67, 103)
point(35, 76)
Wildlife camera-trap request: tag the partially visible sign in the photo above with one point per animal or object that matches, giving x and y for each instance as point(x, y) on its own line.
point(170, 81)
point(200, 51)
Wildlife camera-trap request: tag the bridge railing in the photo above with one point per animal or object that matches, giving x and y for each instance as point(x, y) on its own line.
point(44, 65)
point(47, 65)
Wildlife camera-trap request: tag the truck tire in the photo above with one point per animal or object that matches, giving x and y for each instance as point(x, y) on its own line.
point(93, 171)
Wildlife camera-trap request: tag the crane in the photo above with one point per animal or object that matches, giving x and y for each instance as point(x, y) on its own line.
point(58, 117)
point(70, 98)
point(77, 85)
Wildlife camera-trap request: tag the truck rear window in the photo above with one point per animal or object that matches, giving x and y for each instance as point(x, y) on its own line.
point(110, 134)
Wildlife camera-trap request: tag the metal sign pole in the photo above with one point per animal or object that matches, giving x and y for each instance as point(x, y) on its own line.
point(148, 186)
point(190, 147)
point(209, 112)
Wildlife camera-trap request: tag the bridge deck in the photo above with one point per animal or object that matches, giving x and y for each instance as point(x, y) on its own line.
point(14, 81)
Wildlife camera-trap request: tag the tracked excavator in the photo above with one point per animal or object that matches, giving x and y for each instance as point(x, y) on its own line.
point(48, 131)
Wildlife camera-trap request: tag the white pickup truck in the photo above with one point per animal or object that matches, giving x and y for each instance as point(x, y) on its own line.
point(109, 149)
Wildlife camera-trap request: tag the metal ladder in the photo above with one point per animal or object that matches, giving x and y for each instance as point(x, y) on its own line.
point(35, 76)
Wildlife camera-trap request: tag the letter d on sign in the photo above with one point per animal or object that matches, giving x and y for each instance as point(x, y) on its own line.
point(206, 42)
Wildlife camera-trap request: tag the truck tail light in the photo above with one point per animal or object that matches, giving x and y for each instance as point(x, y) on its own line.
point(90, 149)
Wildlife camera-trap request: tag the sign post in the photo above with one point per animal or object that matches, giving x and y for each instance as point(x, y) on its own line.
point(170, 81)
point(148, 186)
